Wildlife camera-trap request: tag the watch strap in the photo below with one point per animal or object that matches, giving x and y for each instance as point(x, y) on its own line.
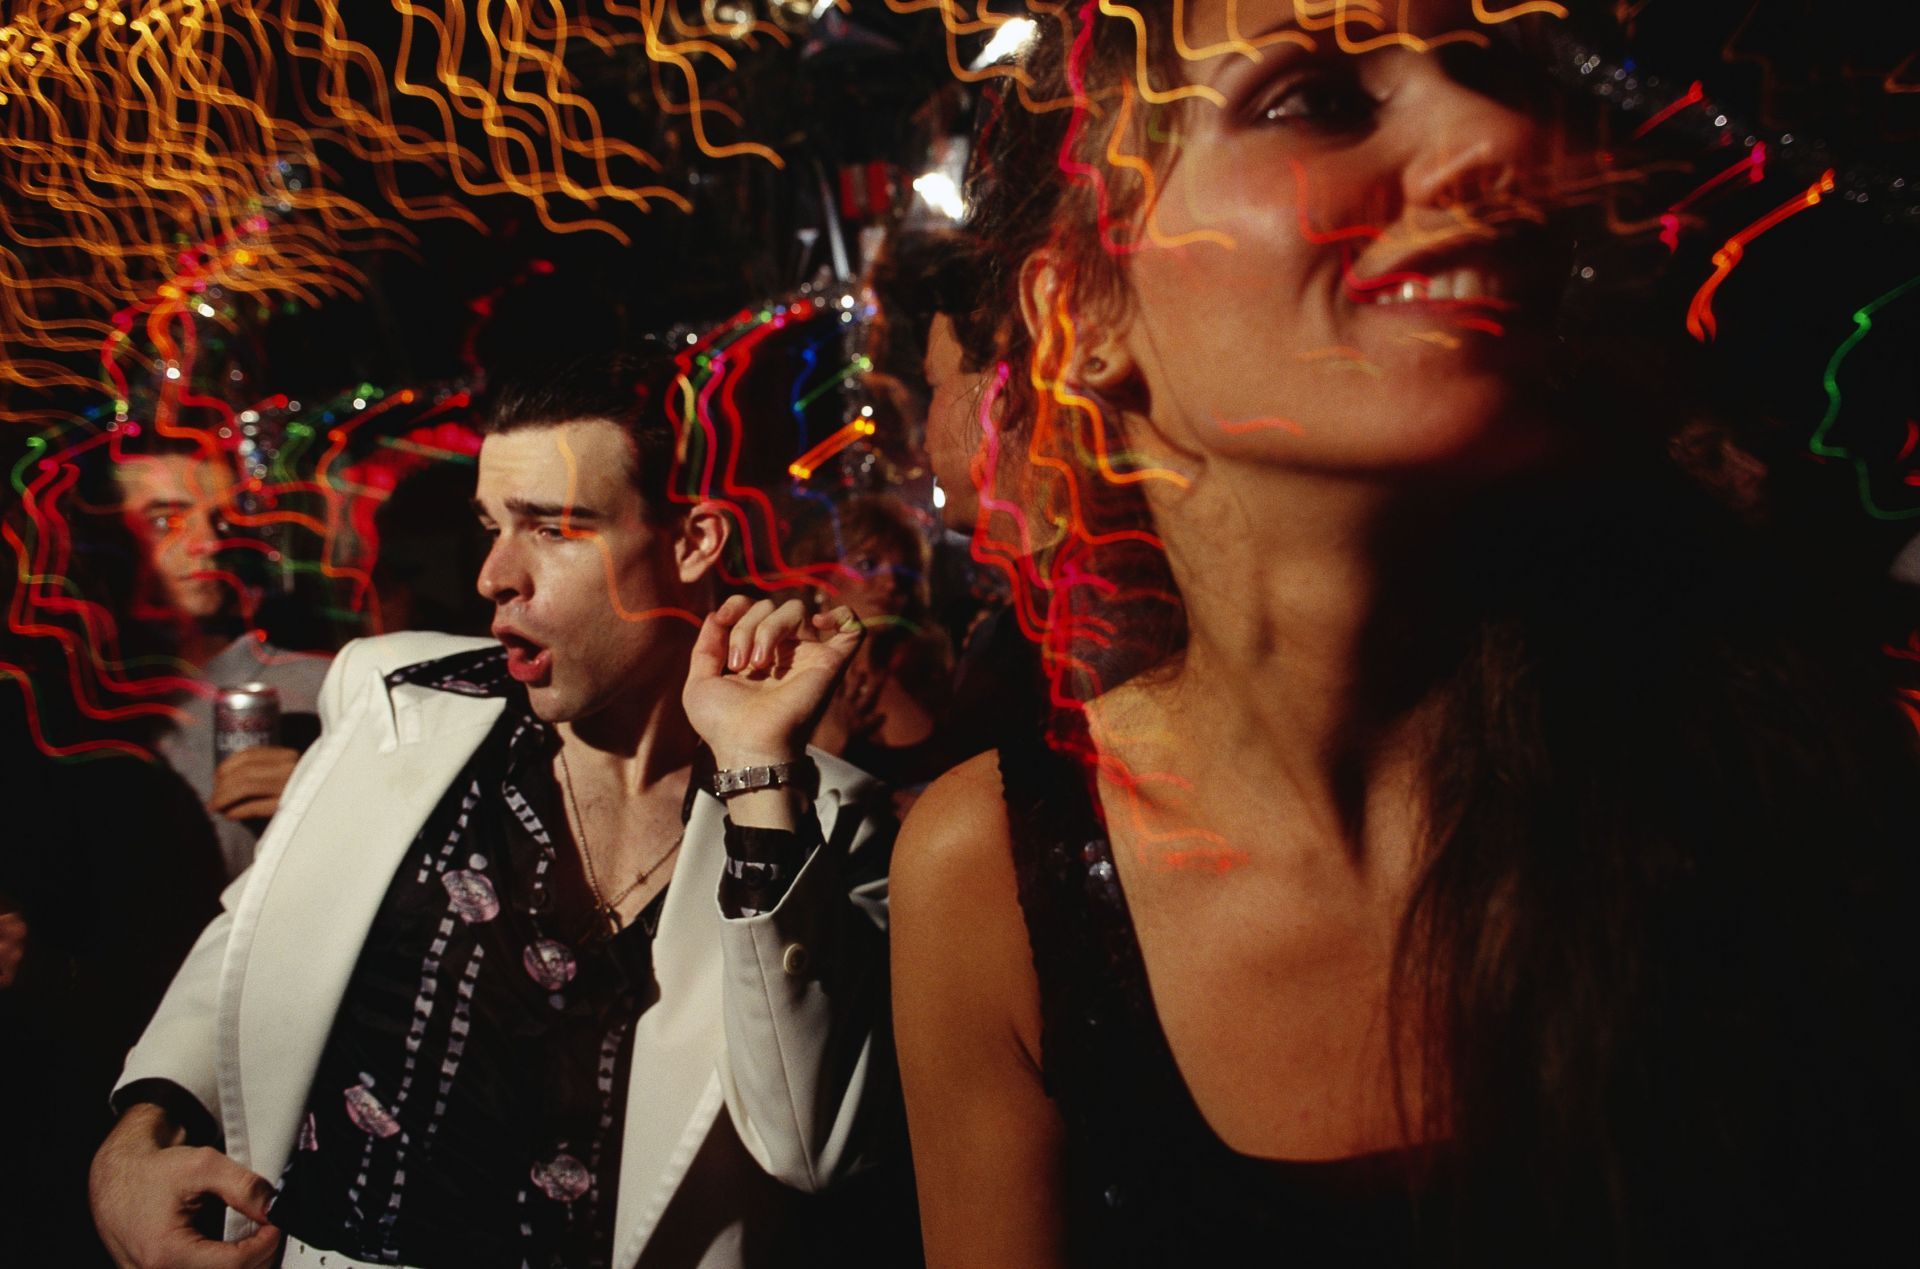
point(801, 773)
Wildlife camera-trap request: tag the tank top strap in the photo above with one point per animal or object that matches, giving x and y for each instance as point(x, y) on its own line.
point(1095, 1003)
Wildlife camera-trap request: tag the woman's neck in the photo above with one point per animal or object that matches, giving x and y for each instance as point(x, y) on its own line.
point(1314, 635)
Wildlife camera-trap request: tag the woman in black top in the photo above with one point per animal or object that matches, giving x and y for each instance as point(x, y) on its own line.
point(1462, 838)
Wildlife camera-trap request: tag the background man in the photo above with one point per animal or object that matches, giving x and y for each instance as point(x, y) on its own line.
point(174, 504)
point(932, 289)
point(508, 983)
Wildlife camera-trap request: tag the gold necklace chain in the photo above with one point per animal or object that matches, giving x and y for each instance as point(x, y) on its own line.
point(609, 908)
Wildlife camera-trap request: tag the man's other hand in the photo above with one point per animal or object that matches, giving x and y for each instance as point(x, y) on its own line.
point(247, 785)
point(13, 946)
point(145, 1188)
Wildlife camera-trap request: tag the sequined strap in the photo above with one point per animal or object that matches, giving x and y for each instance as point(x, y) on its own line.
point(1086, 960)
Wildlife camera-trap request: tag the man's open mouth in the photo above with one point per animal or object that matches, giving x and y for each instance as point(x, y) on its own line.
point(527, 661)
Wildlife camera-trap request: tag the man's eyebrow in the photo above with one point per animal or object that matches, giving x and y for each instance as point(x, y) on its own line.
point(530, 510)
point(168, 503)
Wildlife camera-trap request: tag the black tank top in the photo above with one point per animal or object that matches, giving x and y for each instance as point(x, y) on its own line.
point(1147, 1182)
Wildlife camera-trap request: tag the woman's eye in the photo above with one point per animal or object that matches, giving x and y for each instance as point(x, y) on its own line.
point(1322, 102)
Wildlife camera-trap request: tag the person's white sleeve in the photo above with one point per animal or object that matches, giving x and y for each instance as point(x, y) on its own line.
point(805, 989)
point(181, 1045)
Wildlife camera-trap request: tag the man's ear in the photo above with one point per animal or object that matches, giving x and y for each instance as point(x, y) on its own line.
point(702, 541)
point(1098, 356)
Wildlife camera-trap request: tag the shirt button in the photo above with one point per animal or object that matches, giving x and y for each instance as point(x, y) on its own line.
point(794, 961)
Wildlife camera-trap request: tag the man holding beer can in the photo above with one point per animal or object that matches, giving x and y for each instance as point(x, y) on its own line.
point(173, 501)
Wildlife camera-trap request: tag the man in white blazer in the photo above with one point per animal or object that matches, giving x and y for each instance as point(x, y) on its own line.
point(456, 993)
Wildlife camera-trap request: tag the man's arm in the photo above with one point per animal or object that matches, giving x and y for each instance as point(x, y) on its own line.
point(147, 1177)
point(805, 977)
point(805, 992)
point(181, 1044)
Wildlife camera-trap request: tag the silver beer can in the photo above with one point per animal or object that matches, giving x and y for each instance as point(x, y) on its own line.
point(244, 717)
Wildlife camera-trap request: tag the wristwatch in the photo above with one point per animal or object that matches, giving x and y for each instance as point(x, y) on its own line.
point(800, 774)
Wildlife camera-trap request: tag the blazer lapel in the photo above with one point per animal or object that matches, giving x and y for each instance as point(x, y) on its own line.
point(299, 931)
point(673, 1093)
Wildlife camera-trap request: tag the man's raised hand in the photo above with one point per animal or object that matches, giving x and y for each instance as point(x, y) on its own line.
point(761, 676)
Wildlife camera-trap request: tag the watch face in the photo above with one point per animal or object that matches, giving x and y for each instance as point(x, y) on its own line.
point(752, 779)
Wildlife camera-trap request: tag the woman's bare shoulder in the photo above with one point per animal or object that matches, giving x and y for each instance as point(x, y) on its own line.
point(966, 1009)
point(953, 882)
point(960, 820)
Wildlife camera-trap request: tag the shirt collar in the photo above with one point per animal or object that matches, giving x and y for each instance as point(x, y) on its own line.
point(478, 672)
point(482, 672)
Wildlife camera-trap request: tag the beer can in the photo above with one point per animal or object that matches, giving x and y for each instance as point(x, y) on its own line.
point(244, 717)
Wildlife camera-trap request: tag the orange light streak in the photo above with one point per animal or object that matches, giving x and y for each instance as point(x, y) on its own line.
point(1701, 323)
point(803, 467)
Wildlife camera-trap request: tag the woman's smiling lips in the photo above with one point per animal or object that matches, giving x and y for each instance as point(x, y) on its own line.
point(1466, 285)
point(1467, 276)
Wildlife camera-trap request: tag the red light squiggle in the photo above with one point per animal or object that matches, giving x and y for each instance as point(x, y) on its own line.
point(1694, 96)
point(79, 749)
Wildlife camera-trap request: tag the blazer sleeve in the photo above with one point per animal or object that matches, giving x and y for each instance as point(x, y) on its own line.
point(804, 997)
point(181, 1045)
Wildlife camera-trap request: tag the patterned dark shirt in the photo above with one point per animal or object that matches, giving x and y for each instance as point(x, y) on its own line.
point(469, 1104)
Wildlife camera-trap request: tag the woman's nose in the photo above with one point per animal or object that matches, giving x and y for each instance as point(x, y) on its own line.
point(1475, 151)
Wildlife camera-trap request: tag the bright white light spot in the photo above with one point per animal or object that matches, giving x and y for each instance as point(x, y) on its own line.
point(206, 310)
point(173, 372)
point(939, 496)
point(359, 403)
point(937, 190)
point(1008, 42)
point(820, 8)
point(249, 416)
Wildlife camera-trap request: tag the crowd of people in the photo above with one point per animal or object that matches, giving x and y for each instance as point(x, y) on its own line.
point(1336, 779)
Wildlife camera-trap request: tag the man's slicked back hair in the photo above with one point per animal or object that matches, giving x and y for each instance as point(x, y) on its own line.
point(624, 388)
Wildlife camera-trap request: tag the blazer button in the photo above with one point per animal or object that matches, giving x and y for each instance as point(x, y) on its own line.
point(794, 961)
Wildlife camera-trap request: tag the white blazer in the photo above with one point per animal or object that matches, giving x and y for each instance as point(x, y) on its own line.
point(770, 1017)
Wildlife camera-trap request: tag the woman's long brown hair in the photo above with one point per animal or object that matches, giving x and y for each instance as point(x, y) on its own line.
point(1657, 956)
